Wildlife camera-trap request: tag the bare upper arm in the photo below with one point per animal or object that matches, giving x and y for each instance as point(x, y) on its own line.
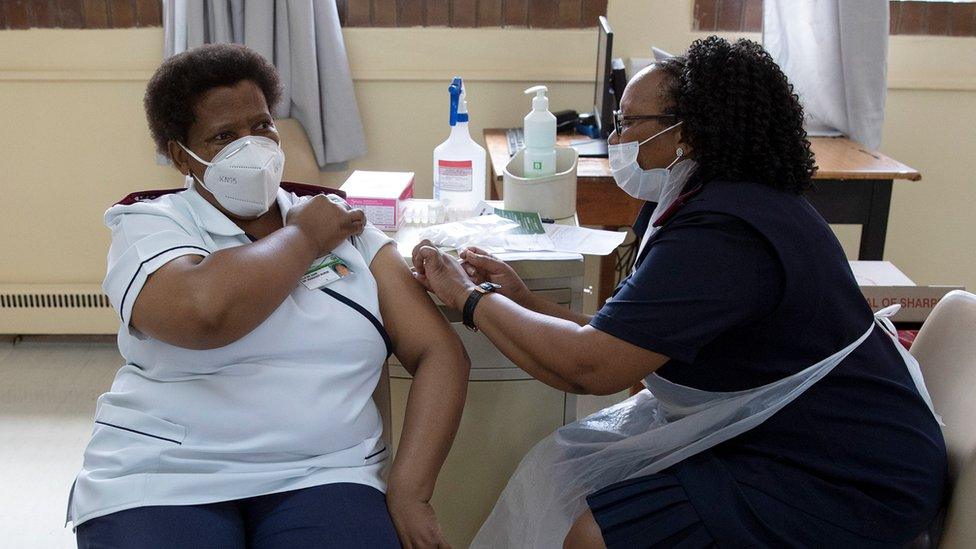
point(410, 316)
point(165, 308)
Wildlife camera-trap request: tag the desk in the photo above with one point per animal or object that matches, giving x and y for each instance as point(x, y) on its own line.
point(853, 186)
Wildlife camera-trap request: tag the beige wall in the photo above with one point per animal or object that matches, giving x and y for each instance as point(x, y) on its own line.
point(74, 137)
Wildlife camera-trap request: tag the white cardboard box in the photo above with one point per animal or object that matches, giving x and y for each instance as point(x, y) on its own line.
point(883, 285)
point(381, 195)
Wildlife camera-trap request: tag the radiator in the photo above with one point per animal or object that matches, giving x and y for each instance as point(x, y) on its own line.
point(56, 309)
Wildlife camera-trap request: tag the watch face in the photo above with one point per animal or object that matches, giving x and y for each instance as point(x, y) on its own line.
point(488, 287)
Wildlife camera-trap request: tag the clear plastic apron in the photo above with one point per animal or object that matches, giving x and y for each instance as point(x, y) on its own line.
point(651, 431)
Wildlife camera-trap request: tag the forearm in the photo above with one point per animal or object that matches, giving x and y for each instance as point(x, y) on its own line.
point(433, 413)
point(543, 306)
point(531, 340)
point(566, 354)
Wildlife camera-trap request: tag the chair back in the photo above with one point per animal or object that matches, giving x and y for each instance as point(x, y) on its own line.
point(946, 350)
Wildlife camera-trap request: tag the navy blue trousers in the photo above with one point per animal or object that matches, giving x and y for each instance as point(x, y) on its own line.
point(332, 515)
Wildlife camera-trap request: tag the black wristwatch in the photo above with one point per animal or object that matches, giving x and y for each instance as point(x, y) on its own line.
point(467, 314)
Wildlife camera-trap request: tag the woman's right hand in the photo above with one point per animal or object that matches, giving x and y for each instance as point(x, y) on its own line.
point(326, 221)
point(481, 266)
point(416, 524)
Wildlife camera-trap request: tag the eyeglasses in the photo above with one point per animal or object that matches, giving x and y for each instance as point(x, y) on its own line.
point(619, 118)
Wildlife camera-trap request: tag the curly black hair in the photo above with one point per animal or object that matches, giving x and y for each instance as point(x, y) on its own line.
point(740, 113)
point(179, 82)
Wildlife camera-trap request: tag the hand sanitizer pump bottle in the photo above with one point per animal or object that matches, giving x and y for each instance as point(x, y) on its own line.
point(459, 162)
point(540, 136)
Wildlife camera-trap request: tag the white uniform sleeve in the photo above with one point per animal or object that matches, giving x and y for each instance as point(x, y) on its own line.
point(143, 240)
point(370, 242)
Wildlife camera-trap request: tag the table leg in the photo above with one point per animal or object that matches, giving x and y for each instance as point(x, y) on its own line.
point(875, 227)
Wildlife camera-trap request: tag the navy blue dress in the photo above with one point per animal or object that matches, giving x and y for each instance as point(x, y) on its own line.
point(743, 286)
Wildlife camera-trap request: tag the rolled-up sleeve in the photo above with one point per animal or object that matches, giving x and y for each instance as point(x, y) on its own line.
point(142, 242)
point(370, 241)
point(702, 276)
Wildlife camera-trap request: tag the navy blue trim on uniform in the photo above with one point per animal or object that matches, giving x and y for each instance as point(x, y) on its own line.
point(138, 432)
point(133, 279)
point(356, 307)
point(374, 454)
point(369, 316)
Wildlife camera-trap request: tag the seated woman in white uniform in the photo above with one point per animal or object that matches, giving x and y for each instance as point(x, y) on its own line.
point(243, 415)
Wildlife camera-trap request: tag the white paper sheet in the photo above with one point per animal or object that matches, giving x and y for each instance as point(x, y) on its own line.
point(581, 240)
point(879, 273)
point(538, 256)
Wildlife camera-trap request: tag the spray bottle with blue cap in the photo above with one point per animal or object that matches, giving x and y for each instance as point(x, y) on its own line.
point(459, 162)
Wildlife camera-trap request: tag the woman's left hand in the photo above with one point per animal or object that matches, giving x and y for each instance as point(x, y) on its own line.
point(442, 275)
point(415, 523)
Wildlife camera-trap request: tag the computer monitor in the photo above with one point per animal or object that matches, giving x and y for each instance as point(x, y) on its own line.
point(611, 79)
point(603, 96)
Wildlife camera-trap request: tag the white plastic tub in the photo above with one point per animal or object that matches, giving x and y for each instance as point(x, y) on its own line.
point(553, 196)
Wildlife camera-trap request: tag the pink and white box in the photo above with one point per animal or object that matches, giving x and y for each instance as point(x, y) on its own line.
point(382, 195)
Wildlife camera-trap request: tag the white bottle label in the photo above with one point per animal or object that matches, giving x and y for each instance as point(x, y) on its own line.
point(454, 175)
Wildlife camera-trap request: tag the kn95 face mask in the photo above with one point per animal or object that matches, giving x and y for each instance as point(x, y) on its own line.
point(245, 175)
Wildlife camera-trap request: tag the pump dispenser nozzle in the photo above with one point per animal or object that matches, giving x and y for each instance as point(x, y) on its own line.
point(540, 102)
point(539, 156)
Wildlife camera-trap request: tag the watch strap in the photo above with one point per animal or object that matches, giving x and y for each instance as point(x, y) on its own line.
point(467, 314)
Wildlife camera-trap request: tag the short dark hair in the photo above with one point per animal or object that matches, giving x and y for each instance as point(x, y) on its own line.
point(179, 82)
point(740, 115)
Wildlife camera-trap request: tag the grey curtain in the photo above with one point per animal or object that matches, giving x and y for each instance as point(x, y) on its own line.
point(304, 41)
point(835, 53)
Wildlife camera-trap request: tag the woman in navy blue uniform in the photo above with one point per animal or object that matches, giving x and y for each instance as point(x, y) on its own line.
point(739, 283)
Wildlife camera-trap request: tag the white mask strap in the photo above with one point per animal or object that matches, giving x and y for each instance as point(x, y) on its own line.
point(198, 159)
point(194, 155)
point(677, 157)
point(665, 130)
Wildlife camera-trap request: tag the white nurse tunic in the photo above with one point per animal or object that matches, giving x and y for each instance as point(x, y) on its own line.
point(287, 406)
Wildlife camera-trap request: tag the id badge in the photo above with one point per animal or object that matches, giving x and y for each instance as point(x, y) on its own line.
point(324, 271)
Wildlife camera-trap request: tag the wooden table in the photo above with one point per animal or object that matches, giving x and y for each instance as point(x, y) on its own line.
point(852, 186)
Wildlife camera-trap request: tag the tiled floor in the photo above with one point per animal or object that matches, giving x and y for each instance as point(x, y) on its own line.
point(47, 398)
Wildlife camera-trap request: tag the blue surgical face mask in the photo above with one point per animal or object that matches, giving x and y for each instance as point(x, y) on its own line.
point(637, 182)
